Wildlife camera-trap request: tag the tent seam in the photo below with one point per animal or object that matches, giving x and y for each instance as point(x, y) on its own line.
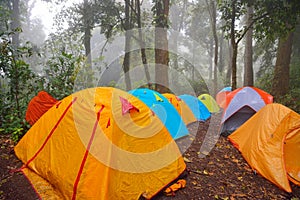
point(86, 154)
point(50, 134)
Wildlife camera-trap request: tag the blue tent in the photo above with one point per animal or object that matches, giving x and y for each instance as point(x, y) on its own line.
point(226, 89)
point(198, 108)
point(164, 110)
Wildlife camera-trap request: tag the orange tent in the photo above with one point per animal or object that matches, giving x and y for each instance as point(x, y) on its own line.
point(38, 105)
point(100, 143)
point(270, 142)
point(182, 108)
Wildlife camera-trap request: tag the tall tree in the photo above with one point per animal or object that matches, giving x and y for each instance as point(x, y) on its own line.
point(281, 79)
point(127, 27)
point(142, 42)
point(271, 18)
point(87, 26)
point(161, 13)
point(231, 12)
point(248, 57)
point(213, 21)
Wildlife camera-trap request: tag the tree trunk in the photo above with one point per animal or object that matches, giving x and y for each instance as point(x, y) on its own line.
point(211, 55)
point(233, 66)
point(229, 71)
point(15, 24)
point(214, 30)
point(248, 68)
point(161, 46)
point(126, 62)
point(280, 84)
point(221, 60)
point(87, 32)
point(177, 25)
point(142, 43)
point(234, 46)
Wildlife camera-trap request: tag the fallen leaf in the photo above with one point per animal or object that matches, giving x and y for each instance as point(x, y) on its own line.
point(247, 168)
point(205, 152)
point(238, 195)
point(205, 172)
point(240, 178)
point(235, 160)
point(226, 156)
point(187, 160)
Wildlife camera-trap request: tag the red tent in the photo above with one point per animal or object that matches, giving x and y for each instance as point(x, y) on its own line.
point(38, 105)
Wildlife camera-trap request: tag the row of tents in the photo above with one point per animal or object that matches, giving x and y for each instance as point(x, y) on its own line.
point(105, 143)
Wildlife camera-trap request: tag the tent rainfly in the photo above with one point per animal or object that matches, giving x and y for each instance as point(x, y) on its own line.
point(270, 142)
point(99, 143)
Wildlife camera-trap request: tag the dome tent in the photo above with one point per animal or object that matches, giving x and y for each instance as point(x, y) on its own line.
point(161, 106)
point(221, 96)
point(241, 104)
point(270, 143)
point(198, 108)
point(209, 102)
point(100, 143)
point(182, 108)
point(38, 105)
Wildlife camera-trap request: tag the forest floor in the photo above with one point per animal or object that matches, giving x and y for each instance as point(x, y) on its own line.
point(221, 174)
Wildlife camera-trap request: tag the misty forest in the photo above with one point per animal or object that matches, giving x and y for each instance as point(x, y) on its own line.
point(182, 47)
point(168, 45)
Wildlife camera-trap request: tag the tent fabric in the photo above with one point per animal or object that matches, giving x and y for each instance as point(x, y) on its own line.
point(38, 105)
point(198, 108)
point(221, 96)
point(182, 108)
point(270, 142)
point(209, 102)
point(241, 104)
point(249, 92)
point(161, 106)
point(87, 148)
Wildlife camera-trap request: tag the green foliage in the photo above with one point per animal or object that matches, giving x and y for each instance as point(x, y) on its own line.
point(291, 99)
point(272, 18)
point(16, 88)
point(160, 18)
point(61, 72)
point(275, 18)
point(226, 8)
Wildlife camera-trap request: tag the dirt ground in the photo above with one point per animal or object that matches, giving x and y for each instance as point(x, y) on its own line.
point(221, 173)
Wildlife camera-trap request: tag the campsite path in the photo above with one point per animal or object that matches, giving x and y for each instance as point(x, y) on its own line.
point(221, 174)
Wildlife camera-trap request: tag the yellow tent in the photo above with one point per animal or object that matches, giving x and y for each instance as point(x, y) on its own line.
point(100, 143)
point(270, 143)
point(182, 108)
point(209, 102)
